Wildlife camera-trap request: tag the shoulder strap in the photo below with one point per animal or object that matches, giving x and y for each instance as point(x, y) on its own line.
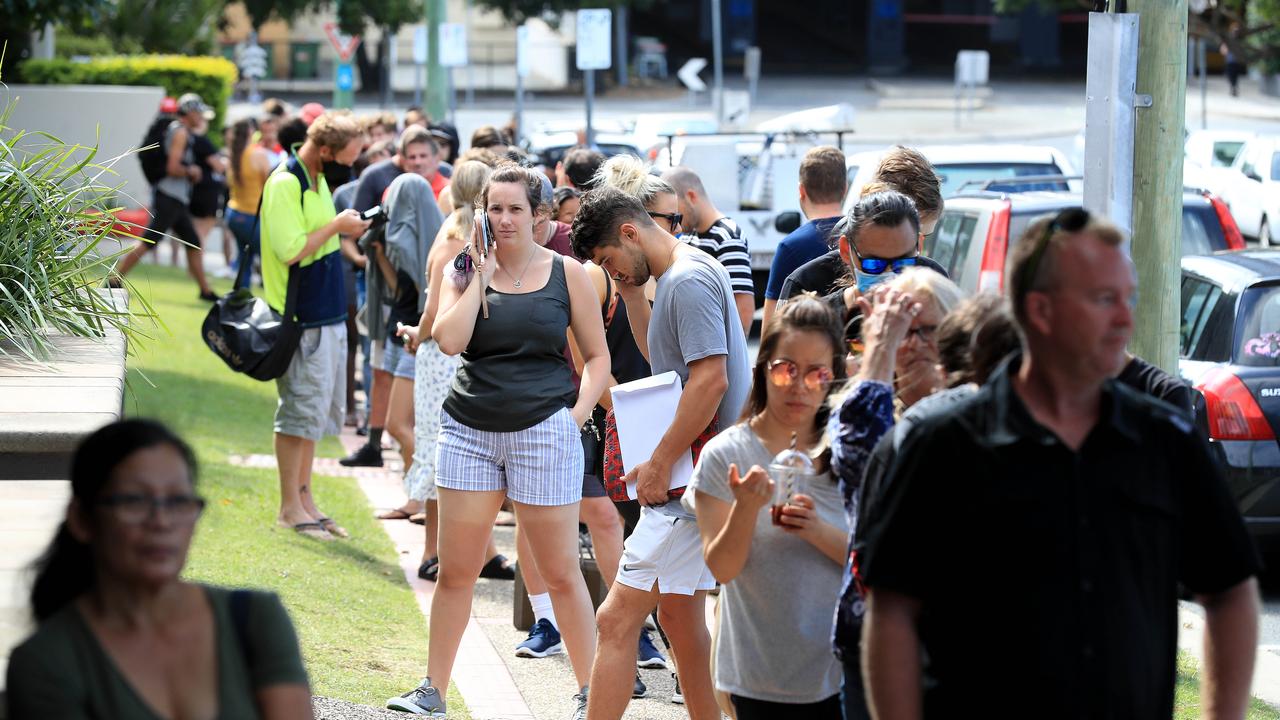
point(610, 305)
point(293, 166)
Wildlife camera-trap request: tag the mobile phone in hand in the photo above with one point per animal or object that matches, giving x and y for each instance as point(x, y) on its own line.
point(487, 233)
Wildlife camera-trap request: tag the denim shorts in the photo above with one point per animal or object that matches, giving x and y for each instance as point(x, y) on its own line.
point(541, 465)
point(313, 391)
point(396, 361)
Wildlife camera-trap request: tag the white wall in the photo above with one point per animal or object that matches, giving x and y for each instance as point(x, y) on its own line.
point(112, 117)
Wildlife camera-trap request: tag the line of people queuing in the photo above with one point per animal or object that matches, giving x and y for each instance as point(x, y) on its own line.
point(996, 503)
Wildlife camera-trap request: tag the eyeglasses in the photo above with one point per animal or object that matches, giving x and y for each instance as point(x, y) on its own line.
point(134, 509)
point(1072, 220)
point(782, 373)
point(673, 219)
point(925, 333)
point(877, 266)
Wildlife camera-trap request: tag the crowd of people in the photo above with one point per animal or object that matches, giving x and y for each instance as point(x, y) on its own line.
point(910, 502)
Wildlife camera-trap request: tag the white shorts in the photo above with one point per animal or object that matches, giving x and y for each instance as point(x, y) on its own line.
point(667, 551)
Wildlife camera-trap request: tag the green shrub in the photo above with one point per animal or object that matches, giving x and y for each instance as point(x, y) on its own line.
point(71, 44)
point(211, 77)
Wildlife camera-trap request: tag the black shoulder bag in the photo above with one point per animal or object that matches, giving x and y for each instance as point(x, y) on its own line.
point(243, 330)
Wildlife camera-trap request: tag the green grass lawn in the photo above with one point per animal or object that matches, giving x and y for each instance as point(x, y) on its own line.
point(1186, 702)
point(362, 635)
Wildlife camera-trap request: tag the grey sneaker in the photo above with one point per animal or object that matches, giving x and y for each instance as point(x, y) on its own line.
point(677, 697)
point(422, 700)
point(580, 705)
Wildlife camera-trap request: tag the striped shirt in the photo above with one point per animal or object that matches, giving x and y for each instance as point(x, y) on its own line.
point(724, 242)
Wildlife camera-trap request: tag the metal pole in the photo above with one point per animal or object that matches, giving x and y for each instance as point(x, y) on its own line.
point(453, 99)
point(1157, 178)
point(1204, 84)
point(620, 41)
point(519, 108)
point(717, 51)
point(589, 79)
point(437, 78)
point(417, 84)
point(471, 78)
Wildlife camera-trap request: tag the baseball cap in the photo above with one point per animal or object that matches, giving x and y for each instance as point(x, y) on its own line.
point(310, 112)
point(169, 106)
point(191, 102)
point(548, 192)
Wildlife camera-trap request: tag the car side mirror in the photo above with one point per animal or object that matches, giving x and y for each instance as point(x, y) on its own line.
point(787, 222)
point(1253, 175)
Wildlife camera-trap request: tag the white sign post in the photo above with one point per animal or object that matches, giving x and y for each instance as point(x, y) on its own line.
point(419, 61)
point(522, 72)
point(972, 68)
point(595, 52)
point(253, 66)
point(453, 53)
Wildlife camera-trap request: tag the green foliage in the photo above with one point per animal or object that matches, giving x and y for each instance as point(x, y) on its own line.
point(70, 43)
point(355, 15)
point(211, 77)
point(262, 11)
point(518, 11)
point(52, 205)
point(165, 26)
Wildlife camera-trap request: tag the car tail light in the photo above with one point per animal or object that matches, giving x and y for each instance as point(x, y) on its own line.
point(1232, 412)
point(1231, 231)
point(991, 274)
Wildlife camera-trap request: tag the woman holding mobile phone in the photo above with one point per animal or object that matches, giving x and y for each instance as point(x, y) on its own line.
point(511, 423)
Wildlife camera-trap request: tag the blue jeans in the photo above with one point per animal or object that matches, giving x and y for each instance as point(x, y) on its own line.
point(247, 233)
point(366, 369)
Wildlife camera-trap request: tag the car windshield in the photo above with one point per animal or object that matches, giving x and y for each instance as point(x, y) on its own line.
point(954, 176)
point(1275, 166)
point(1258, 344)
point(1201, 231)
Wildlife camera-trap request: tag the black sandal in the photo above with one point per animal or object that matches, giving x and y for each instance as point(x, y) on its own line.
point(498, 569)
point(430, 569)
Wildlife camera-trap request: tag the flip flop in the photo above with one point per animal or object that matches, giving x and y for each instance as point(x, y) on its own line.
point(498, 569)
point(333, 527)
point(313, 530)
point(418, 519)
point(430, 569)
point(396, 514)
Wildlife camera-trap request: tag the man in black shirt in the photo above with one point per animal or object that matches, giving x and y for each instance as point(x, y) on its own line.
point(1032, 540)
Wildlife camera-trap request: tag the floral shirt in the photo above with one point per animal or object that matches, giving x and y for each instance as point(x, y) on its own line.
point(864, 417)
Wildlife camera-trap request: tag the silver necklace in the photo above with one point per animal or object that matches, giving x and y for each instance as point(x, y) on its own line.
point(516, 280)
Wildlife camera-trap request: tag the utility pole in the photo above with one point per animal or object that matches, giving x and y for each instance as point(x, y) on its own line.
point(1157, 178)
point(437, 76)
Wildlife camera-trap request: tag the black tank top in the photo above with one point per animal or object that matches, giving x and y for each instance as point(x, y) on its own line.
point(513, 373)
point(626, 362)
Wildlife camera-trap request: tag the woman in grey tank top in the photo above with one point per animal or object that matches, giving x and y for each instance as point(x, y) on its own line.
point(511, 422)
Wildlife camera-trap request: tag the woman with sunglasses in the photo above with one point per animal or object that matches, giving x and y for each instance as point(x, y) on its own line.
point(120, 634)
point(774, 655)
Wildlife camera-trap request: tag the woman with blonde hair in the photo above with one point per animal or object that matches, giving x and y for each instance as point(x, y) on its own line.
point(434, 370)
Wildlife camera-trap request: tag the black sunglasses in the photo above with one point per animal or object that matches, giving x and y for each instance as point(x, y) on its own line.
point(1072, 220)
point(877, 266)
point(673, 219)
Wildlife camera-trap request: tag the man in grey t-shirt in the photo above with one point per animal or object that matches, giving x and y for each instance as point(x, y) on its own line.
point(693, 329)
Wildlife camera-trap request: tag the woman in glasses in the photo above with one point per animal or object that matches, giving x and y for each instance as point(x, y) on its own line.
point(778, 558)
point(120, 635)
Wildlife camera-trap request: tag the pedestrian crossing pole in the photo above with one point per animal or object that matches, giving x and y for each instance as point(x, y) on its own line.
point(437, 75)
point(1157, 178)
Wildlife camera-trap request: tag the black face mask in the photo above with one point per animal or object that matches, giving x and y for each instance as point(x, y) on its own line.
point(336, 174)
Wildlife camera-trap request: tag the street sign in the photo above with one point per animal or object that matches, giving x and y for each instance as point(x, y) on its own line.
point(453, 44)
point(253, 62)
point(595, 39)
point(972, 67)
point(522, 51)
point(735, 107)
point(688, 74)
point(420, 45)
point(344, 77)
point(345, 45)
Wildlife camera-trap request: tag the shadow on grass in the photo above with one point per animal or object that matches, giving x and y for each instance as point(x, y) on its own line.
point(388, 572)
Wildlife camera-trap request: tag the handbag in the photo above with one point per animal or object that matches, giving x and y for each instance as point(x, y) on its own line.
point(244, 330)
point(614, 472)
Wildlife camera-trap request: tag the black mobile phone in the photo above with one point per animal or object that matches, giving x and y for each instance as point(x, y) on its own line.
point(372, 213)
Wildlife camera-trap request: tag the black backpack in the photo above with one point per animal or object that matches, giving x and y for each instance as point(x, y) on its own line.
point(153, 160)
point(243, 330)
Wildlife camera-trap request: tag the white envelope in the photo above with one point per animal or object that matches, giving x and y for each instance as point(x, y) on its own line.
point(643, 410)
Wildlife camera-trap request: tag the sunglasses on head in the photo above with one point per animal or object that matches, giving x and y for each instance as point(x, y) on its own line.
point(1072, 220)
point(673, 219)
point(878, 266)
point(782, 373)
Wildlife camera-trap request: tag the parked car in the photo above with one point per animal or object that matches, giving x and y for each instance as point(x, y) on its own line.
point(1252, 188)
point(977, 230)
point(961, 164)
point(548, 143)
point(1230, 351)
point(1215, 148)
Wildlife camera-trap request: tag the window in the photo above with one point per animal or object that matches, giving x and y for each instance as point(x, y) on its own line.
point(1197, 297)
point(955, 175)
point(949, 243)
point(1225, 152)
point(1259, 342)
point(1275, 166)
point(1201, 231)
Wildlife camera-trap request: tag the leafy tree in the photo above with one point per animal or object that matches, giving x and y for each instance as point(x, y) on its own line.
point(180, 27)
point(518, 11)
point(1249, 28)
point(262, 11)
point(20, 18)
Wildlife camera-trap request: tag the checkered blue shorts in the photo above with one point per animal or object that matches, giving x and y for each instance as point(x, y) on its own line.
point(541, 465)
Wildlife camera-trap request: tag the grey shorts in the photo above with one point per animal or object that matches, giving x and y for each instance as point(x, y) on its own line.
point(313, 391)
point(541, 465)
point(396, 361)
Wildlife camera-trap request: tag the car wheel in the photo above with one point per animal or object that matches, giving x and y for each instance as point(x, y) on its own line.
point(1264, 234)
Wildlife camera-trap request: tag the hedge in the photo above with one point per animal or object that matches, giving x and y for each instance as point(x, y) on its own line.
point(213, 78)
